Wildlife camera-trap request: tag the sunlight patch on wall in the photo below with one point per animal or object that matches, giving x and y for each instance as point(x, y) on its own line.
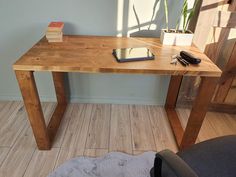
point(142, 16)
point(120, 5)
point(146, 18)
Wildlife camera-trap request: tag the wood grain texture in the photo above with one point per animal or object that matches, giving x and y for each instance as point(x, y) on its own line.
point(42, 163)
point(162, 134)
point(99, 129)
point(58, 80)
point(217, 40)
point(227, 77)
point(12, 123)
point(3, 153)
point(225, 42)
point(7, 110)
point(232, 6)
point(173, 91)
point(225, 19)
point(120, 132)
point(171, 99)
point(80, 53)
point(207, 131)
point(198, 112)
point(21, 152)
point(23, 155)
point(95, 152)
point(17, 157)
point(208, 10)
point(142, 135)
point(216, 37)
point(44, 135)
point(3, 104)
point(55, 121)
point(72, 135)
point(175, 125)
point(231, 97)
point(226, 126)
point(63, 126)
point(223, 90)
point(76, 134)
point(33, 106)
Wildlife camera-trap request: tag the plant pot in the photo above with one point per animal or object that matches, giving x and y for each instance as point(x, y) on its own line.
point(176, 38)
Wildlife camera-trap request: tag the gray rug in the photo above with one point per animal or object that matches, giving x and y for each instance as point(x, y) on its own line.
point(114, 164)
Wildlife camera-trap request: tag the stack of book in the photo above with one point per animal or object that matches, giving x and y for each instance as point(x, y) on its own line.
point(54, 32)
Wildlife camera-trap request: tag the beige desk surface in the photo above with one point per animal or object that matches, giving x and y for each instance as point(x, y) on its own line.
point(93, 54)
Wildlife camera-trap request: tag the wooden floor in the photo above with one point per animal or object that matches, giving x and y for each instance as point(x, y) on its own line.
point(92, 130)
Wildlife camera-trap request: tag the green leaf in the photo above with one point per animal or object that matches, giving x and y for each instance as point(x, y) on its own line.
point(191, 14)
point(185, 14)
point(166, 13)
point(189, 17)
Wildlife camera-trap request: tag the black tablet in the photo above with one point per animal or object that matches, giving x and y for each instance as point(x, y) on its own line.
point(133, 54)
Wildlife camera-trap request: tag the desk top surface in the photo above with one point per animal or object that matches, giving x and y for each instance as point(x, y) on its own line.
point(93, 54)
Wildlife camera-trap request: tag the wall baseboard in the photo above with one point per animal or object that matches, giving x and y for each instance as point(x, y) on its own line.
point(104, 100)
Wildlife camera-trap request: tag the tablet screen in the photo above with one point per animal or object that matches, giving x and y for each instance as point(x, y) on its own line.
point(133, 54)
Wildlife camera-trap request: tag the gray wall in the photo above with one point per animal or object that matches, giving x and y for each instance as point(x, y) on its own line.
point(23, 23)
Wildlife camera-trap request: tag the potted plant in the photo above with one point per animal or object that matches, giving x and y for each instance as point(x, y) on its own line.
point(176, 36)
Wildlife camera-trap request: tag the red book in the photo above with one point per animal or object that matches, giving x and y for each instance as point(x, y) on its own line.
point(55, 26)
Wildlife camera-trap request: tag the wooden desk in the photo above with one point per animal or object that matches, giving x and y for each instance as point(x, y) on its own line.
point(93, 54)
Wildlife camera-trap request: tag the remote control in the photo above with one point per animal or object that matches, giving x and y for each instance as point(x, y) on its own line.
point(189, 57)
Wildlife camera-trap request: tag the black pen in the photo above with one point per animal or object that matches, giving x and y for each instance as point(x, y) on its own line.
point(187, 63)
point(181, 61)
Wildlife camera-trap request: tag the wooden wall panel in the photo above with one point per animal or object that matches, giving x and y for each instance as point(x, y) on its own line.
point(205, 21)
point(220, 45)
point(231, 96)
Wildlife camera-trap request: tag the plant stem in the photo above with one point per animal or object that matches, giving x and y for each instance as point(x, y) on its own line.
point(180, 15)
point(185, 14)
point(166, 13)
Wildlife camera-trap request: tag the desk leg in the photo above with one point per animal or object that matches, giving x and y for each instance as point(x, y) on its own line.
point(199, 110)
point(33, 107)
point(171, 99)
point(58, 80)
point(43, 134)
point(197, 115)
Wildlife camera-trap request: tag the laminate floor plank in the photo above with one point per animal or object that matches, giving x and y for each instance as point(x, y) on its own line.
point(63, 127)
point(142, 135)
point(75, 137)
point(99, 129)
point(20, 153)
point(3, 104)
point(95, 152)
point(9, 109)
point(232, 121)
point(13, 125)
point(220, 123)
point(163, 135)
point(93, 130)
point(120, 132)
point(48, 109)
point(42, 163)
point(19, 156)
point(136, 152)
point(203, 134)
point(3, 154)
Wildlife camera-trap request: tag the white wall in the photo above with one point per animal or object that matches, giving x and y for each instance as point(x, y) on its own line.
point(23, 23)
